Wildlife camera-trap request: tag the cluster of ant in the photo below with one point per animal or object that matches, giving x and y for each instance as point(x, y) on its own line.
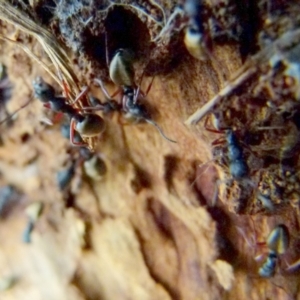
point(257, 114)
point(263, 155)
point(84, 122)
point(251, 118)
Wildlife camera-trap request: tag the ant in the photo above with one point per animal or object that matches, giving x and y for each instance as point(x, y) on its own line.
point(238, 167)
point(130, 106)
point(196, 40)
point(277, 243)
point(33, 212)
point(5, 92)
point(121, 73)
point(93, 165)
point(87, 124)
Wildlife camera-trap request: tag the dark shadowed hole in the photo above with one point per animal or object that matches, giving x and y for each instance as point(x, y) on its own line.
point(141, 180)
point(45, 11)
point(25, 137)
point(125, 30)
point(171, 165)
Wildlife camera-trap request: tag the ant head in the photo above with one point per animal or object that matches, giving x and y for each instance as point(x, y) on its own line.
point(42, 90)
point(137, 111)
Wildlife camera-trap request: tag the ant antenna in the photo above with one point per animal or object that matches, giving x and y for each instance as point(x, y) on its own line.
point(16, 111)
point(106, 49)
point(159, 130)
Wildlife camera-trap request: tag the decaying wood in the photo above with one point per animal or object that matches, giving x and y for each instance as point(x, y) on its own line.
point(148, 229)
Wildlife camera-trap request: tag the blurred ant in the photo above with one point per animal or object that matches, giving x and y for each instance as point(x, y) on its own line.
point(93, 164)
point(236, 163)
point(5, 90)
point(250, 67)
point(87, 124)
point(277, 243)
point(196, 40)
point(33, 212)
point(238, 167)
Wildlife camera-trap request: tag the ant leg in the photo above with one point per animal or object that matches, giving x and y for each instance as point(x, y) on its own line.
point(104, 90)
point(206, 126)
point(72, 134)
point(138, 89)
point(149, 86)
point(218, 141)
point(106, 49)
point(124, 103)
point(102, 87)
point(57, 118)
point(293, 267)
point(82, 94)
point(118, 91)
point(167, 28)
point(201, 166)
point(136, 94)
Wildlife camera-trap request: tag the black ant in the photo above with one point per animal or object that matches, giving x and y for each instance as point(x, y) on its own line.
point(238, 167)
point(5, 91)
point(277, 243)
point(88, 125)
point(93, 164)
point(237, 164)
point(121, 73)
point(33, 212)
point(196, 40)
point(130, 106)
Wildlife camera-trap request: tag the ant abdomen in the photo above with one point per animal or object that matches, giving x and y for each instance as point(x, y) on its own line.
point(95, 167)
point(278, 243)
point(238, 169)
point(89, 125)
point(267, 270)
point(121, 68)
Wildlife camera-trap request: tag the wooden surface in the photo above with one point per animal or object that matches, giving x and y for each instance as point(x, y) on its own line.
point(148, 230)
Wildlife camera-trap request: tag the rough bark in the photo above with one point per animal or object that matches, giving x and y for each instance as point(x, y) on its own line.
point(149, 229)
